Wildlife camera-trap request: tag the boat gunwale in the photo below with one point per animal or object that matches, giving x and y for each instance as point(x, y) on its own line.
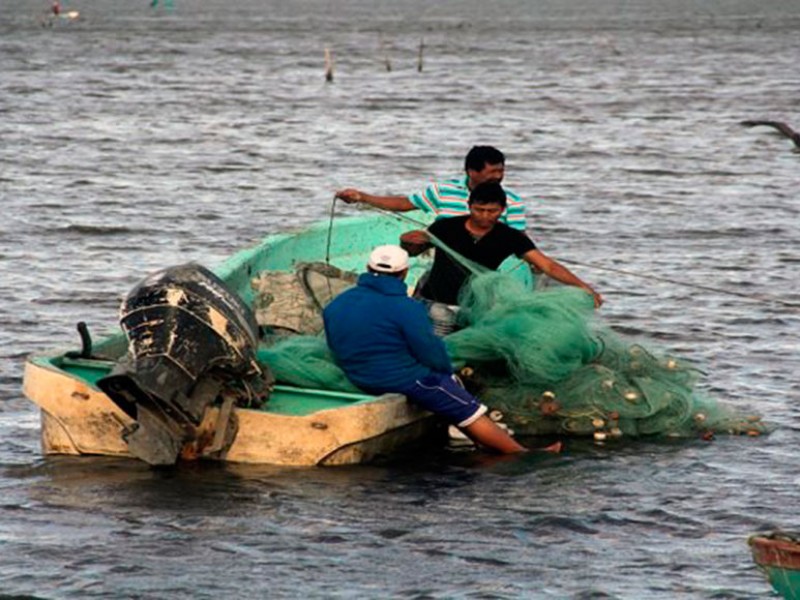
point(50, 361)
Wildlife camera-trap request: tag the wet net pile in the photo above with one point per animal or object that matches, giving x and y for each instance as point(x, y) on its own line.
point(548, 365)
point(545, 362)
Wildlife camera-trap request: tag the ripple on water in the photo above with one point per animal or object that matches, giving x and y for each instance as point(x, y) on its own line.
point(142, 137)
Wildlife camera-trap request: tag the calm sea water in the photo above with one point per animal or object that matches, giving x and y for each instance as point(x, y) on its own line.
point(136, 138)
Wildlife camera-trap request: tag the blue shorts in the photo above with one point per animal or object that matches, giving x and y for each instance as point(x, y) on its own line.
point(441, 394)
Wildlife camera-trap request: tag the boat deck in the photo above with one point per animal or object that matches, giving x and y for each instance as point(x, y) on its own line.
point(284, 399)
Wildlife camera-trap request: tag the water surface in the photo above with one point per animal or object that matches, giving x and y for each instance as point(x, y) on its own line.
point(135, 138)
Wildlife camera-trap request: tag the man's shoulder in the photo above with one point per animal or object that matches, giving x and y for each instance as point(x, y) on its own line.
point(512, 197)
point(458, 181)
point(456, 186)
point(448, 224)
point(507, 231)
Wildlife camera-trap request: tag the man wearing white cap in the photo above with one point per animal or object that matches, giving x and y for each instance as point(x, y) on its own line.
point(384, 342)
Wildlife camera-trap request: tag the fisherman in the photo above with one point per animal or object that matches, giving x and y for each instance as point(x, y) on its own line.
point(483, 239)
point(450, 198)
point(384, 342)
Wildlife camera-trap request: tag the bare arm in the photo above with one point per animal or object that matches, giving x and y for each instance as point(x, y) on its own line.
point(393, 203)
point(560, 273)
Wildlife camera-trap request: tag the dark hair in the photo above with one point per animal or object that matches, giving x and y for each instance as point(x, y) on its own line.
point(480, 156)
point(488, 192)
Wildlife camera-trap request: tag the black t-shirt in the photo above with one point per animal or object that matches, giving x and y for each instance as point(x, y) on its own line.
point(447, 276)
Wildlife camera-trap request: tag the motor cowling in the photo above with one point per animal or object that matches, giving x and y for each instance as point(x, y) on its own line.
point(191, 341)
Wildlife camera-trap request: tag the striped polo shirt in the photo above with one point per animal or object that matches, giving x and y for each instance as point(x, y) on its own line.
point(450, 199)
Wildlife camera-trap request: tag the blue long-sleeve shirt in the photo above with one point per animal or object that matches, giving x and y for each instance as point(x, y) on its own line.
point(382, 339)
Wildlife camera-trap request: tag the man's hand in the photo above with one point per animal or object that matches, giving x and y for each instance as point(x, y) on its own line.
point(415, 242)
point(350, 195)
point(598, 299)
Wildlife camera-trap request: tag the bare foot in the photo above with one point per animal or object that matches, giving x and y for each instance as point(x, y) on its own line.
point(554, 448)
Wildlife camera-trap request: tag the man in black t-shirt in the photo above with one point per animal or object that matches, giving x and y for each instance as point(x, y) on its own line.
point(481, 238)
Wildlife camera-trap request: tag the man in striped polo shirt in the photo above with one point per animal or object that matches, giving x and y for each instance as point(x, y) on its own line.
point(450, 198)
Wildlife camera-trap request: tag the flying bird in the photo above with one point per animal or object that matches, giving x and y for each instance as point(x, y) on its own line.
point(782, 127)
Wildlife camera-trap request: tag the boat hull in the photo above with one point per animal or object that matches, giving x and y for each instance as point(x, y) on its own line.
point(778, 555)
point(79, 419)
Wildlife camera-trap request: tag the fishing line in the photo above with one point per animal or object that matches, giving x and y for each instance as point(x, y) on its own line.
point(751, 297)
point(397, 215)
point(328, 246)
point(330, 232)
point(708, 288)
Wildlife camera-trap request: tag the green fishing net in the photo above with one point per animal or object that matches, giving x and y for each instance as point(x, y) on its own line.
point(304, 361)
point(549, 365)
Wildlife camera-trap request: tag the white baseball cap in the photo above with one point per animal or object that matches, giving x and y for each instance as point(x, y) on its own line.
point(388, 259)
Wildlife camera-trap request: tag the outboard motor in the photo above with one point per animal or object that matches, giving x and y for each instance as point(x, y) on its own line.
point(191, 341)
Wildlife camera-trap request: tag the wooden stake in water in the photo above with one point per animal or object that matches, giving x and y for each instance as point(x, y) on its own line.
point(419, 56)
point(386, 61)
point(328, 65)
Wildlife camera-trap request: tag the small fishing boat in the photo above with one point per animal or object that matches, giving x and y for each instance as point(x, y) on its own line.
point(778, 555)
point(94, 402)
